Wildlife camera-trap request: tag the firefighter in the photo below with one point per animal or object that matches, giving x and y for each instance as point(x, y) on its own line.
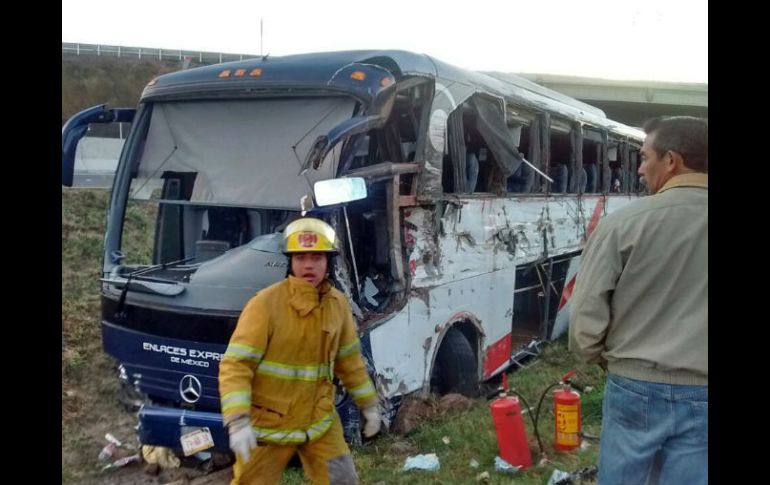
point(275, 378)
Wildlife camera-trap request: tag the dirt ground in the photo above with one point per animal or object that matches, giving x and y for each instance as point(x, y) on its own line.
point(135, 474)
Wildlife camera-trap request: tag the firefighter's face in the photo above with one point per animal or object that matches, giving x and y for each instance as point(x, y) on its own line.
point(310, 267)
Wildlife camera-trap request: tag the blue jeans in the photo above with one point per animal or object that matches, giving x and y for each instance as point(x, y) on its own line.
point(653, 433)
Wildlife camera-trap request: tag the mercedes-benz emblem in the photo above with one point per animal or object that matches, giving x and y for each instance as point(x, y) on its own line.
point(190, 388)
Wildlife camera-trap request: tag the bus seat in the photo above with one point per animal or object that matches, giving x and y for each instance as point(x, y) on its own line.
point(206, 249)
point(582, 180)
point(522, 179)
point(229, 225)
point(590, 171)
point(559, 173)
point(471, 172)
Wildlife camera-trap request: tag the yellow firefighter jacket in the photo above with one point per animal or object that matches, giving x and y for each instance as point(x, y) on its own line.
point(290, 340)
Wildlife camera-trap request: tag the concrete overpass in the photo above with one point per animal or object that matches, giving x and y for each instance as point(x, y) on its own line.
point(631, 102)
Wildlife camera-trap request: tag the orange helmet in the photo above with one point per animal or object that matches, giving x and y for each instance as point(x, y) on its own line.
point(309, 235)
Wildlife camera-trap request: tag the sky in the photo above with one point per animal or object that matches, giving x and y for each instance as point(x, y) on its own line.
point(657, 40)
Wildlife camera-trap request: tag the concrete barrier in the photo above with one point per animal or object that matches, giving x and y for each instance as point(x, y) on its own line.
point(98, 154)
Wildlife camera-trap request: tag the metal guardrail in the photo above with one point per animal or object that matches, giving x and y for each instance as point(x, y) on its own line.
point(150, 53)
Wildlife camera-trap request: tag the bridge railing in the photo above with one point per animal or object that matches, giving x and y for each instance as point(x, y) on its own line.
point(150, 53)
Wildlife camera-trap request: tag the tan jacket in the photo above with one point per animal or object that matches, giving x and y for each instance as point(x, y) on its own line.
point(640, 302)
point(290, 340)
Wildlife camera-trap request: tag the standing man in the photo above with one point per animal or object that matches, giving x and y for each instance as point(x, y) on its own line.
point(640, 310)
point(275, 378)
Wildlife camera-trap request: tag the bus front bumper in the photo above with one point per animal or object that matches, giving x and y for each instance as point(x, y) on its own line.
point(163, 426)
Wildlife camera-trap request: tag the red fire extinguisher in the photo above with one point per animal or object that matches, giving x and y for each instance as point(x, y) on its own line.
point(509, 426)
point(567, 415)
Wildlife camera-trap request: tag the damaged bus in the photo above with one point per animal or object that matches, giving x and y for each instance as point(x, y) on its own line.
point(479, 191)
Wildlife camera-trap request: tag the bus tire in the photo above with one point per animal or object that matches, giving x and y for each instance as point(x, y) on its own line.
point(456, 368)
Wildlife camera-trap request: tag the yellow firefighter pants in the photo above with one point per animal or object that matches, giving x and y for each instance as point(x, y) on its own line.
point(325, 461)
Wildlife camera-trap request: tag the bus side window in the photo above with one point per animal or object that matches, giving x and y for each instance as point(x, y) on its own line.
point(558, 166)
point(592, 153)
point(454, 168)
point(523, 179)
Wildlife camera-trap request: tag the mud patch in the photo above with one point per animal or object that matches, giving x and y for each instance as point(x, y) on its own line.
point(415, 411)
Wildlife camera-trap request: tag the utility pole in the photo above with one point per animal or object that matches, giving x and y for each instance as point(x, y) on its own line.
point(260, 37)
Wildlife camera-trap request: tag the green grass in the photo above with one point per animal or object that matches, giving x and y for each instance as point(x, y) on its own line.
point(472, 435)
point(89, 403)
point(89, 378)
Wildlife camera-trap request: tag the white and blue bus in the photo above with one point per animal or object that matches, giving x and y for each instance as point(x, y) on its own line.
point(480, 192)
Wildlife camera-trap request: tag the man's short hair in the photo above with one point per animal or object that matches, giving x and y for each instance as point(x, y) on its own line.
point(686, 135)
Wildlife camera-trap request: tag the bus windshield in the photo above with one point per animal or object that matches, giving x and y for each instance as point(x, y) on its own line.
point(238, 152)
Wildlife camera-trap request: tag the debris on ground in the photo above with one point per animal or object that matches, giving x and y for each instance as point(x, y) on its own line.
point(122, 462)
point(109, 448)
point(161, 455)
point(587, 436)
point(106, 452)
point(445, 439)
point(474, 463)
point(505, 467)
point(483, 477)
point(557, 476)
point(584, 475)
point(422, 462)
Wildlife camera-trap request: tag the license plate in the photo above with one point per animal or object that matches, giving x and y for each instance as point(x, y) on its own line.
point(196, 441)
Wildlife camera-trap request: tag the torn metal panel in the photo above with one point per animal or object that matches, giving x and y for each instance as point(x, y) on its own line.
point(406, 348)
point(462, 259)
point(479, 235)
point(396, 348)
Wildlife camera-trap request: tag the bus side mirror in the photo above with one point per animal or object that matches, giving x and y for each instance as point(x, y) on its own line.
point(339, 191)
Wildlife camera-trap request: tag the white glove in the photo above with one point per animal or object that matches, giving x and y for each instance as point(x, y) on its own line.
point(242, 438)
point(372, 420)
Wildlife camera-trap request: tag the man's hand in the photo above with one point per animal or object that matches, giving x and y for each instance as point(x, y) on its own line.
point(242, 437)
point(372, 420)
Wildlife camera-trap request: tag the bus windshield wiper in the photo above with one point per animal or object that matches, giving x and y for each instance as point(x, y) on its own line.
point(119, 313)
